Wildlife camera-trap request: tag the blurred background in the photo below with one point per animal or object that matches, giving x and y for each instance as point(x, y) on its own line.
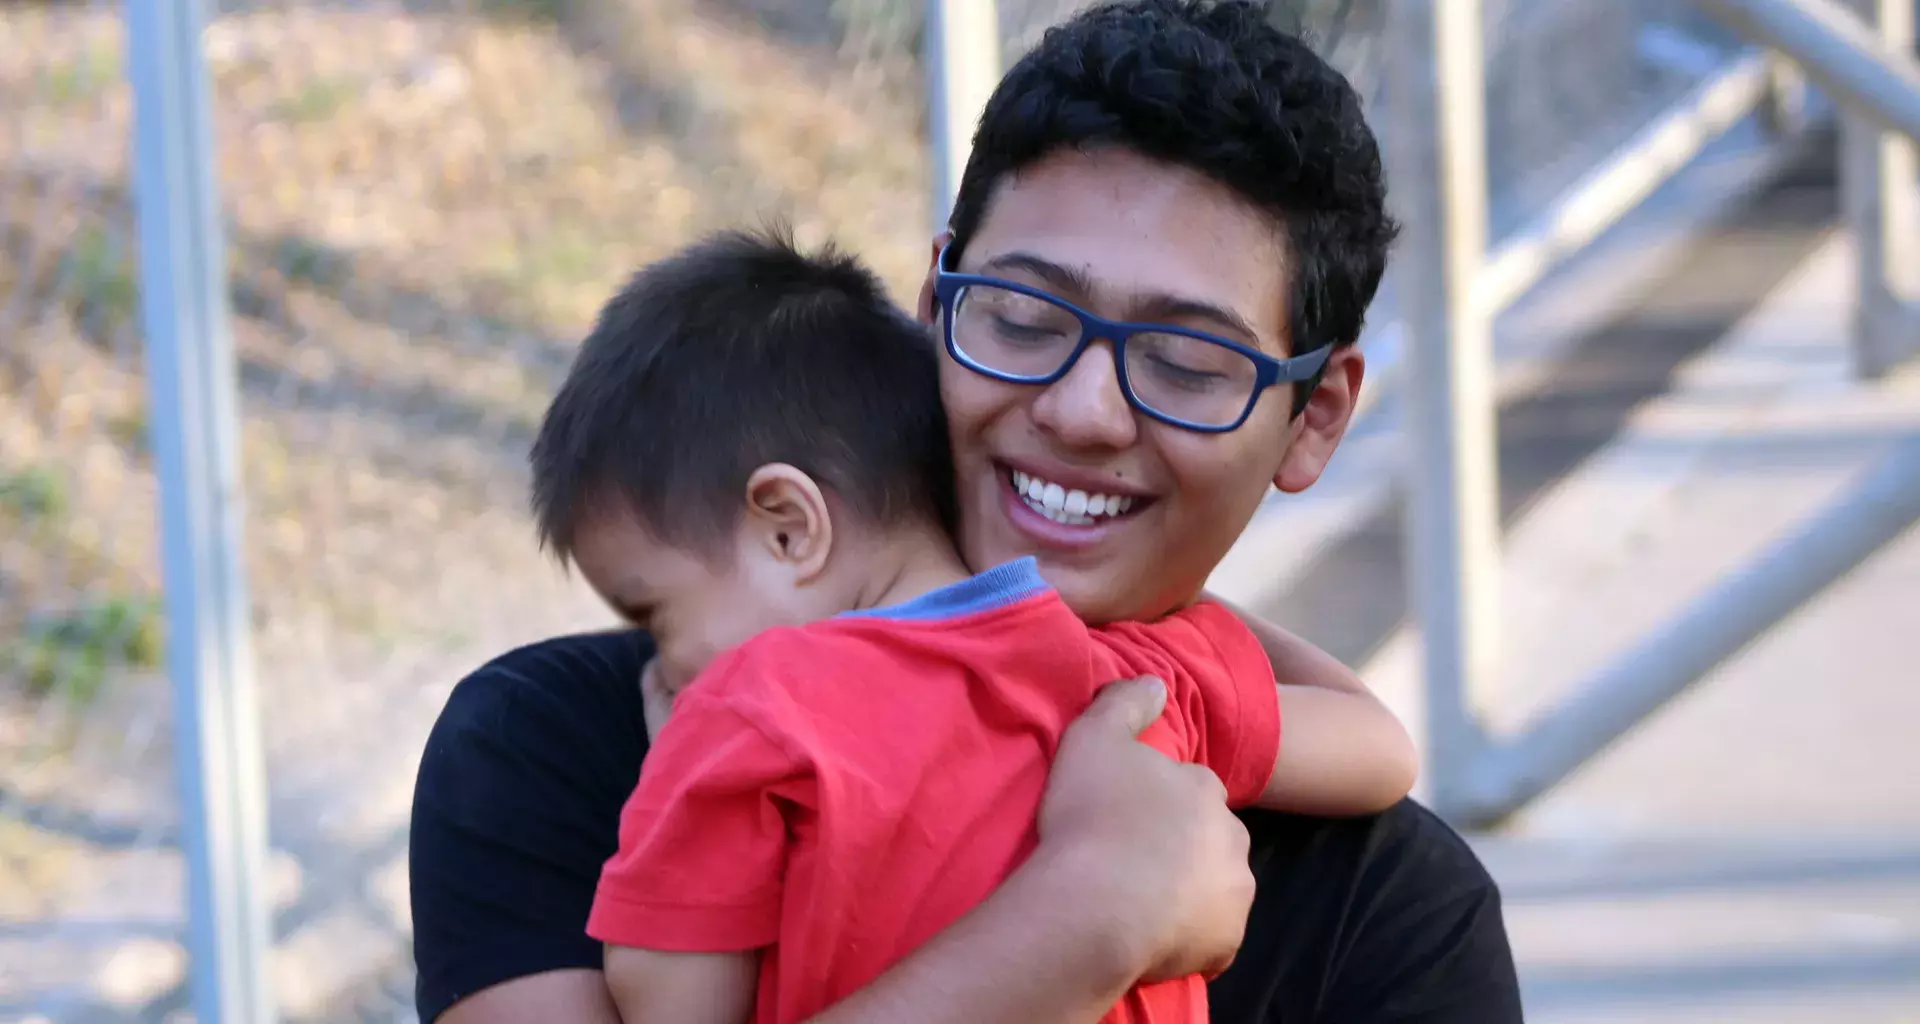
point(425, 201)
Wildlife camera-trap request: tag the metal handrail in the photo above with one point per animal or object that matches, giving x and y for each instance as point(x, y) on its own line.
point(1453, 286)
point(1837, 51)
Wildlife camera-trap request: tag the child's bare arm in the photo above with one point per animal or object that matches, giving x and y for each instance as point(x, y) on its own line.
point(654, 987)
point(1342, 752)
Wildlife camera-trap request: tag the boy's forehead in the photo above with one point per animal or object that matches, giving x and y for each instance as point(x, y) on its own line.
point(1135, 233)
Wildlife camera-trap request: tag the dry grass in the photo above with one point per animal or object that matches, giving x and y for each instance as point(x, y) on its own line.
point(426, 204)
point(426, 208)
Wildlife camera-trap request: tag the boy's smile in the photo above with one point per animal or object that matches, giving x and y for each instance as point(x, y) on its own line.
point(1128, 515)
point(1065, 506)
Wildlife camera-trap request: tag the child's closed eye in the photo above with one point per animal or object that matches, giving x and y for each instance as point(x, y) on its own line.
point(638, 616)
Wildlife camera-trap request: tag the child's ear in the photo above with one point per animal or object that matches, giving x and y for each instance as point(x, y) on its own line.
point(787, 515)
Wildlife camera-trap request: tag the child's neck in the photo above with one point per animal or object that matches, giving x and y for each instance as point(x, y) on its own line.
point(909, 564)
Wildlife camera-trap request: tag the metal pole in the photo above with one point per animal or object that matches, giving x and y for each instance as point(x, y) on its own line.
point(1437, 140)
point(1881, 192)
point(1619, 184)
point(1884, 504)
point(190, 373)
point(963, 66)
point(1841, 55)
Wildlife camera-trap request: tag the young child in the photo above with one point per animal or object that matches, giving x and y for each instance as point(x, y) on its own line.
point(749, 459)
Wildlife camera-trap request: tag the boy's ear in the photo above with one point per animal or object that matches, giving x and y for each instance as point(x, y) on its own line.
point(1317, 431)
point(787, 515)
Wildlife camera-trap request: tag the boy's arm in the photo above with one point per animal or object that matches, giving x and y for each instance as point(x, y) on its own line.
point(1342, 751)
point(655, 987)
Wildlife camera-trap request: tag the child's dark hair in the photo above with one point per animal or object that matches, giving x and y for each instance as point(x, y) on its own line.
point(737, 352)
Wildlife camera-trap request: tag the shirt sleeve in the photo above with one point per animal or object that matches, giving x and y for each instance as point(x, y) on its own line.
point(704, 838)
point(1222, 704)
point(514, 811)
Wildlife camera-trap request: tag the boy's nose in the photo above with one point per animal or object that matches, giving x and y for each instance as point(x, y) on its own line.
point(1087, 408)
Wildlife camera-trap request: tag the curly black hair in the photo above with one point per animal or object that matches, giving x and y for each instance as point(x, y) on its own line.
point(1214, 86)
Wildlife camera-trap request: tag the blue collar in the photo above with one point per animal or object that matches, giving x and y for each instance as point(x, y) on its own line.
point(998, 587)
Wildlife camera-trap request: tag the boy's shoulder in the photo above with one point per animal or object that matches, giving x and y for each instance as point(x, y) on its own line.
point(565, 685)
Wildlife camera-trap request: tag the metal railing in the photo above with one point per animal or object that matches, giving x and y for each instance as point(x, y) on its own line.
point(193, 381)
point(1452, 287)
point(963, 66)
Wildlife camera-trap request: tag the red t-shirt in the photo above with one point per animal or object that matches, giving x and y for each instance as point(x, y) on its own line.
point(844, 790)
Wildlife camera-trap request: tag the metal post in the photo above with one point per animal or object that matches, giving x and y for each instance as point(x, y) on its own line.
point(1838, 53)
point(1620, 183)
point(963, 66)
point(1881, 192)
point(190, 372)
point(1437, 141)
point(1875, 512)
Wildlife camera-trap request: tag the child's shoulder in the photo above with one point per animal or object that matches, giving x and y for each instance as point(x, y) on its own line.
point(1203, 633)
point(781, 645)
point(853, 651)
point(786, 657)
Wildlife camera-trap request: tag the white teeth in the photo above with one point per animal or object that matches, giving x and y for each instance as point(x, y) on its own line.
point(1067, 506)
point(1029, 486)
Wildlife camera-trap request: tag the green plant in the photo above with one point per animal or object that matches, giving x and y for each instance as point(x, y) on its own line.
point(104, 291)
point(305, 261)
point(71, 654)
point(885, 25)
point(549, 277)
point(316, 101)
point(85, 77)
point(524, 10)
point(564, 258)
point(130, 429)
point(36, 493)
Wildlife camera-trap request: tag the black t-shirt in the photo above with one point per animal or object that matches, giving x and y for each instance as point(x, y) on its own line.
point(1390, 918)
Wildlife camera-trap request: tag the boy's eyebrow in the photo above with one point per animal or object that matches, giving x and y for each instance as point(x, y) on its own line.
point(1075, 283)
point(1072, 280)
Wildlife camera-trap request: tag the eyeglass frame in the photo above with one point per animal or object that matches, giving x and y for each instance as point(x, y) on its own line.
point(1268, 370)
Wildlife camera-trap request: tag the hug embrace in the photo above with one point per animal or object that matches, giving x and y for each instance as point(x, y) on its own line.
point(924, 714)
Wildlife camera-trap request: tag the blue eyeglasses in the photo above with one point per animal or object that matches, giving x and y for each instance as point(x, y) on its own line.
point(1190, 379)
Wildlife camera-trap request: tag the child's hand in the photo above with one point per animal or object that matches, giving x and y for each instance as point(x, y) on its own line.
point(656, 700)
